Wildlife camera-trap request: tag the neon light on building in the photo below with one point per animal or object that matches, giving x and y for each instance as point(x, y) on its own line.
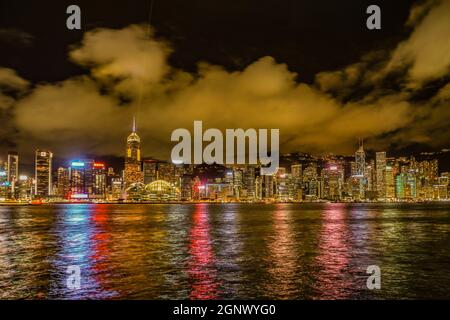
point(77, 164)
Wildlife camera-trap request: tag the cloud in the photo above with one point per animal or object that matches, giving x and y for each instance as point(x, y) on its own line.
point(426, 51)
point(340, 82)
point(16, 37)
point(129, 57)
point(421, 58)
point(12, 86)
point(11, 80)
point(130, 75)
point(71, 115)
point(263, 95)
point(419, 11)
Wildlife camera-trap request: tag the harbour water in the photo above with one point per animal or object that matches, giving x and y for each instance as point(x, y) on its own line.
point(225, 251)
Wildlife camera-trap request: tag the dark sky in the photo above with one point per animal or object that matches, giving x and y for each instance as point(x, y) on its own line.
point(311, 38)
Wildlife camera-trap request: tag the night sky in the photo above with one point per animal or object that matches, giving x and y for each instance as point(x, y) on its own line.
point(310, 68)
point(309, 36)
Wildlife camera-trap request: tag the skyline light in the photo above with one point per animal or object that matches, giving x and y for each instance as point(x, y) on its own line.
point(78, 164)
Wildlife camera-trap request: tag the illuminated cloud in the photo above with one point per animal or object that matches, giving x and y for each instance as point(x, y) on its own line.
point(12, 86)
point(71, 116)
point(129, 58)
point(427, 49)
point(11, 80)
point(89, 114)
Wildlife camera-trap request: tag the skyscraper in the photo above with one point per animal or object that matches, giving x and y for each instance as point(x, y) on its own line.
point(43, 173)
point(150, 171)
point(13, 172)
point(98, 180)
point(4, 184)
point(282, 184)
point(13, 167)
point(380, 159)
point(249, 181)
point(79, 179)
point(360, 170)
point(63, 182)
point(370, 176)
point(360, 159)
point(389, 181)
point(133, 173)
point(332, 178)
point(310, 182)
point(296, 173)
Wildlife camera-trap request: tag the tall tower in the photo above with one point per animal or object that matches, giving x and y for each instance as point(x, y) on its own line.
point(133, 173)
point(43, 173)
point(360, 159)
point(13, 172)
point(13, 167)
point(360, 170)
point(381, 174)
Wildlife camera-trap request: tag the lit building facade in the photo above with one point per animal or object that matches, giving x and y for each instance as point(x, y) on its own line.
point(381, 174)
point(79, 180)
point(296, 182)
point(389, 181)
point(43, 173)
point(133, 172)
point(4, 184)
point(332, 179)
point(63, 182)
point(150, 168)
point(99, 181)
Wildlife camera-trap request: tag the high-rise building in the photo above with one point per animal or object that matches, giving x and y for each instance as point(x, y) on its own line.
point(296, 171)
point(380, 160)
point(310, 181)
point(43, 173)
point(268, 188)
point(360, 170)
point(186, 187)
point(441, 188)
point(133, 173)
point(389, 181)
point(238, 180)
point(25, 190)
point(79, 180)
point(166, 172)
point(13, 167)
point(332, 178)
point(4, 184)
point(63, 182)
point(109, 176)
point(370, 176)
point(360, 160)
point(249, 182)
point(405, 186)
point(296, 181)
point(99, 181)
point(13, 173)
point(150, 170)
point(282, 184)
point(116, 188)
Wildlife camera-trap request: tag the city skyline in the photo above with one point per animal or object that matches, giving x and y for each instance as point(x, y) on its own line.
point(302, 178)
point(116, 162)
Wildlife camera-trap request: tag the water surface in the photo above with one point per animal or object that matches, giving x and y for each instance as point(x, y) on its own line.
point(225, 251)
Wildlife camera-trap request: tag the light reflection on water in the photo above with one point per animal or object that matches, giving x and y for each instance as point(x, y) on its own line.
point(229, 251)
point(201, 266)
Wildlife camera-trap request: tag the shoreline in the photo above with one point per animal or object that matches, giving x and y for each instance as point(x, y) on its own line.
point(12, 204)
